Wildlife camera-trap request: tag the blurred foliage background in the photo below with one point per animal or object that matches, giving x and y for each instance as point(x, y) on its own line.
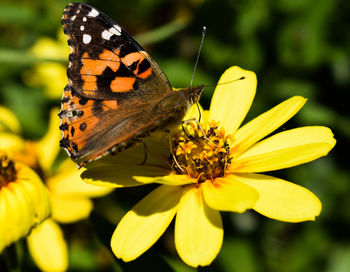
point(296, 47)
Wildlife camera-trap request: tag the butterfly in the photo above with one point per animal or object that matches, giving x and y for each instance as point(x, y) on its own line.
point(116, 93)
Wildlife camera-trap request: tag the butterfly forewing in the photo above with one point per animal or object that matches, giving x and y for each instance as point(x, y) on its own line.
point(106, 61)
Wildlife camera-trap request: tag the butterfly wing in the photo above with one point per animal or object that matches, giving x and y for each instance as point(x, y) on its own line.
point(92, 128)
point(116, 94)
point(106, 62)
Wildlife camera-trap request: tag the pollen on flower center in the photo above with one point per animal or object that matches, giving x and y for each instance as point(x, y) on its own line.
point(201, 151)
point(8, 172)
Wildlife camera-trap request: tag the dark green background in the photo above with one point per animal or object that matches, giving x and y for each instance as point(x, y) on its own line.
point(296, 47)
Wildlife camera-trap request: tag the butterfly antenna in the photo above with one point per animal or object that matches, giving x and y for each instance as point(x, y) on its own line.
point(199, 52)
point(224, 83)
point(200, 113)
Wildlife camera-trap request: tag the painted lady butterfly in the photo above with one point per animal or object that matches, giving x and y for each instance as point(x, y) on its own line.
point(116, 93)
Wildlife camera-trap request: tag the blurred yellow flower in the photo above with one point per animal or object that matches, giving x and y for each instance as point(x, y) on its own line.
point(49, 74)
point(24, 201)
point(204, 174)
point(69, 194)
point(8, 121)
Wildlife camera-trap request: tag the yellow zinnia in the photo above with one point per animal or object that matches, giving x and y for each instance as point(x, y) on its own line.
point(24, 201)
point(69, 196)
point(204, 174)
point(51, 72)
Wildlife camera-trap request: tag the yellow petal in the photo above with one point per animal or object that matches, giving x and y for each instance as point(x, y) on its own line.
point(48, 247)
point(228, 194)
point(142, 226)
point(173, 180)
point(231, 101)
point(266, 123)
point(69, 209)
point(46, 47)
point(198, 229)
point(117, 176)
point(69, 183)
point(193, 113)
point(119, 170)
point(282, 200)
point(157, 146)
point(286, 149)
point(8, 121)
point(11, 143)
point(48, 147)
point(24, 202)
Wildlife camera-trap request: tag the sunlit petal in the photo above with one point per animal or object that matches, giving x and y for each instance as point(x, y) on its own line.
point(48, 146)
point(282, 200)
point(286, 149)
point(142, 226)
point(228, 194)
point(68, 183)
point(11, 143)
point(48, 247)
point(24, 201)
point(265, 123)
point(173, 180)
point(70, 209)
point(198, 229)
point(231, 101)
point(193, 113)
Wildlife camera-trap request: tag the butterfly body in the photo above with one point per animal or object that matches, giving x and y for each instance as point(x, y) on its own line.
point(116, 93)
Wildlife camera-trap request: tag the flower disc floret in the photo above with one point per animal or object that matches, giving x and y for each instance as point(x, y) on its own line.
point(201, 151)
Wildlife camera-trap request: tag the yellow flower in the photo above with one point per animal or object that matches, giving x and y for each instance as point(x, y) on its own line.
point(8, 121)
point(51, 75)
point(205, 174)
point(24, 201)
point(69, 195)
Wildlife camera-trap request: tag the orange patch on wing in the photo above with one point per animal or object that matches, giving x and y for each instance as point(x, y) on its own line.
point(132, 57)
point(97, 66)
point(90, 83)
point(109, 55)
point(138, 58)
point(146, 73)
point(122, 84)
point(110, 104)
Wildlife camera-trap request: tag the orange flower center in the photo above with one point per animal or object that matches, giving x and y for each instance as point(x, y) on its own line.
point(201, 151)
point(8, 172)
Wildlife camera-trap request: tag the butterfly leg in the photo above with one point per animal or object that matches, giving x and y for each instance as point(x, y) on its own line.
point(174, 157)
point(145, 157)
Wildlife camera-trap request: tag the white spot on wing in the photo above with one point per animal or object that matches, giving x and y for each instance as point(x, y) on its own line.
point(82, 28)
point(116, 30)
point(86, 38)
point(73, 17)
point(84, 19)
point(106, 34)
point(93, 13)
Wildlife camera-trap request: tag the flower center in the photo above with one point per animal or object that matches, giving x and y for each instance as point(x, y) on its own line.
point(8, 172)
point(201, 151)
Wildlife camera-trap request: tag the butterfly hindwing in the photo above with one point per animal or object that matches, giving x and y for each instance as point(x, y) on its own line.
point(92, 127)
